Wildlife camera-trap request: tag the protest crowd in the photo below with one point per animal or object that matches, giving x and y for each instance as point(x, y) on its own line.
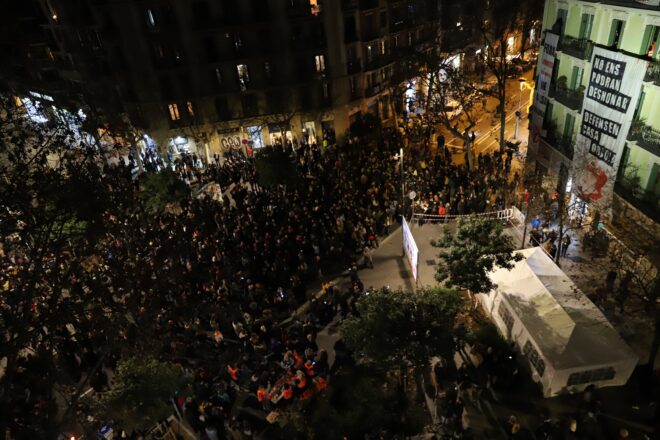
point(213, 285)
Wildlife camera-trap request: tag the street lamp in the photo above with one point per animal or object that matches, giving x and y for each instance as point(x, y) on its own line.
point(521, 81)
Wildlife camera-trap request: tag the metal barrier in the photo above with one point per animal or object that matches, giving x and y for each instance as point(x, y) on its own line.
point(504, 214)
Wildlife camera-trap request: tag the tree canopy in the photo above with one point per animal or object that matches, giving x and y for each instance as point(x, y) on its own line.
point(275, 167)
point(479, 246)
point(158, 190)
point(140, 391)
point(395, 328)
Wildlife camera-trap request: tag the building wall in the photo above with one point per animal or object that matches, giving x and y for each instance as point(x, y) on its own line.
point(643, 157)
point(142, 56)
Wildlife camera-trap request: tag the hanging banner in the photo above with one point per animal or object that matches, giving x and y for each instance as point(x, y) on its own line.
point(410, 247)
point(610, 99)
point(550, 43)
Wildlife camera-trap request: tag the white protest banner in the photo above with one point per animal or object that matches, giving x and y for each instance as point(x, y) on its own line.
point(410, 247)
point(609, 103)
point(550, 43)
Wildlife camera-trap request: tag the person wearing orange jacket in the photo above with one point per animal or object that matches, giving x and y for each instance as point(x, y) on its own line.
point(233, 373)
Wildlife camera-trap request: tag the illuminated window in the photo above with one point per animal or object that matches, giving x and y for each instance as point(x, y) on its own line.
point(382, 47)
point(191, 112)
point(151, 18)
point(314, 6)
point(319, 60)
point(243, 76)
point(174, 112)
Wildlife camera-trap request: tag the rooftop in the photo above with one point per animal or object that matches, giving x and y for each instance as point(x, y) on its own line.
point(566, 326)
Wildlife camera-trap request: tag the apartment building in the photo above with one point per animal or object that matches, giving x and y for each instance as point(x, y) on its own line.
point(598, 100)
point(204, 76)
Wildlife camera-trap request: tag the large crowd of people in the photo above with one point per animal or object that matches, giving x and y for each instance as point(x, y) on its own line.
point(212, 285)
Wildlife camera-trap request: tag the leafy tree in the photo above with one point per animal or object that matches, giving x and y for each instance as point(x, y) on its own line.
point(275, 167)
point(479, 246)
point(362, 402)
point(158, 190)
point(399, 328)
point(140, 391)
point(506, 18)
point(54, 207)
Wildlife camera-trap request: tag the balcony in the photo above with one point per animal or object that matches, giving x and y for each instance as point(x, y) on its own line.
point(653, 73)
point(563, 144)
point(628, 3)
point(377, 62)
point(646, 137)
point(353, 67)
point(570, 98)
point(578, 47)
point(372, 91)
point(646, 201)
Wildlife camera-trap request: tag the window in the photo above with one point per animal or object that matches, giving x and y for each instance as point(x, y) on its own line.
point(249, 103)
point(151, 18)
point(596, 375)
point(218, 76)
point(314, 7)
point(560, 24)
point(189, 107)
point(382, 47)
point(319, 61)
point(222, 109)
point(533, 356)
point(383, 19)
point(616, 32)
point(395, 41)
point(370, 53)
point(576, 77)
point(243, 76)
point(267, 72)
point(326, 90)
point(586, 24)
point(174, 112)
point(351, 83)
point(650, 41)
point(506, 316)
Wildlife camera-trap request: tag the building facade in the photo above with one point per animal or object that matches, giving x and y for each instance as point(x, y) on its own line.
point(204, 76)
point(585, 44)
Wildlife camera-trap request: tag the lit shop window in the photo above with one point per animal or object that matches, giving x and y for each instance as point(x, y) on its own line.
point(174, 112)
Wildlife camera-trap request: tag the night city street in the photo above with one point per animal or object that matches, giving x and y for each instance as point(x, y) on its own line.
point(330, 219)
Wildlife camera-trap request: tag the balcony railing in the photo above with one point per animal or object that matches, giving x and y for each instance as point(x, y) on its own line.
point(371, 91)
point(629, 3)
point(646, 201)
point(645, 136)
point(377, 62)
point(570, 98)
point(563, 144)
point(577, 47)
point(353, 67)
point(653, 73)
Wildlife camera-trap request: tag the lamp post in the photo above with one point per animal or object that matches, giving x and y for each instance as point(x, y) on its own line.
point(522, 84)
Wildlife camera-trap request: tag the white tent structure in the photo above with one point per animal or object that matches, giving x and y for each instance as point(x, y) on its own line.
point(564, 337)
